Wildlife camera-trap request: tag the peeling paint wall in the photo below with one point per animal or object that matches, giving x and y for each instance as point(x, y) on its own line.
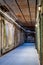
point(38, 38)
point(12, 36)
point(42, 34)
point(38, 31)
point(0, 37)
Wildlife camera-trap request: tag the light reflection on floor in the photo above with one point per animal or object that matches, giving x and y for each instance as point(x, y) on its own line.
point(26, 54)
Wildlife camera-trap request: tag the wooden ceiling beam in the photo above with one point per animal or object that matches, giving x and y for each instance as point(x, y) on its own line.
point(28, 19)
point(29, 9)
point(21, 11)
point(10, 9)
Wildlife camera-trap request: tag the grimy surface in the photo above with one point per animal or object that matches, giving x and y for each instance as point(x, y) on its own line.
point(26, 54)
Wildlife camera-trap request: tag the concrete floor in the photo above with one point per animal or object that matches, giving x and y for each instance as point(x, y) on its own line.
point(26, 54)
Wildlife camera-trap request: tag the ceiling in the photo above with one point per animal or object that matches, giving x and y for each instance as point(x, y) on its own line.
point(24, 11)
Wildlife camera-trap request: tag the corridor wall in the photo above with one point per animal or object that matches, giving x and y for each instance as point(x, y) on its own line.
point(12, 36)
point(0, 37)
point(37, 37)
point(42, 32)
point(37, 28)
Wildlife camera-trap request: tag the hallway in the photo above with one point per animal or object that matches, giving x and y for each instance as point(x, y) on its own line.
point(21, 32)
point(26, 54)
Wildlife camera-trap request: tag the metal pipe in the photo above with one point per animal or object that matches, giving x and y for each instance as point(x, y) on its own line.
point(11, 19)
point(14, 21)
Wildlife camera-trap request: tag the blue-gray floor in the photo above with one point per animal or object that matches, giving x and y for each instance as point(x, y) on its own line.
point(25, 54)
